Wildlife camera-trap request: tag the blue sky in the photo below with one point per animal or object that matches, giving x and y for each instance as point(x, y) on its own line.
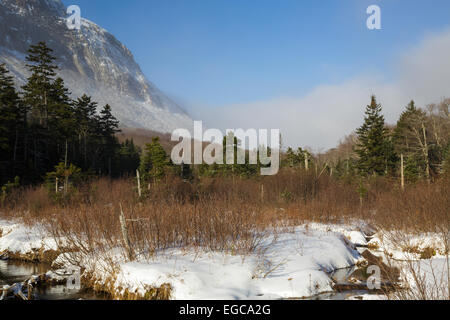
point(219, 53)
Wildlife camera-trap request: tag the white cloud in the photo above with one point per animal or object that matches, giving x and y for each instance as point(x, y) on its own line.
point(328, 113)
point(425, 71)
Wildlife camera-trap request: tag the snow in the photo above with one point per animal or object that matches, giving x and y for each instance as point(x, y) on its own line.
point(17, 238)
point(351, 231)
point(434, 270)
point(427, 278)
point(399, 244)
point(293, 265)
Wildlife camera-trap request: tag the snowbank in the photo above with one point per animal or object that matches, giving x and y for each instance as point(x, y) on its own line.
point(293, 264)
point(20, 239)
point(290, 265)
point(401, 246)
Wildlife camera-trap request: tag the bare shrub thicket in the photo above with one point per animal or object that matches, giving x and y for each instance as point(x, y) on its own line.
point(224, 213)
point(422, 276)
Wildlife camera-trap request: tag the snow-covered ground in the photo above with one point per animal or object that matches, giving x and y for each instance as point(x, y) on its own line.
point(421, 259)
point(291, 265)
point(20, 239)
point(294, 263)
point(403, 246)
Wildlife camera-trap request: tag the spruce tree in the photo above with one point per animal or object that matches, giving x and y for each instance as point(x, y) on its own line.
point(108, 123)
point(129, 157)
point(61, 122)
point(86, 129)
point(409, 140)
point(37, 90)
point(291, 158)
point(154, 161)
point(403, 138)
point(11, 123)
point(38, 102)
point(109, 126)
point(374, 148)
point(9, 110)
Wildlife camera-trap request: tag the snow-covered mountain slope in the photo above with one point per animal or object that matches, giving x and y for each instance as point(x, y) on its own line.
point(92, 61)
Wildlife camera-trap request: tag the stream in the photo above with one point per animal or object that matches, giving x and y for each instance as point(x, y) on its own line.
point(13, 271)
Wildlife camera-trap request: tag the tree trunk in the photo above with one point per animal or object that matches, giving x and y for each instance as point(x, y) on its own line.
point(126, 239)
point(402, 172)
point(138, 177)
point(426, 152)
point(66, 173)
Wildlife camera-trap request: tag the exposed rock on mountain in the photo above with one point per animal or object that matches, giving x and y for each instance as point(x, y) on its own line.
point(92, 61)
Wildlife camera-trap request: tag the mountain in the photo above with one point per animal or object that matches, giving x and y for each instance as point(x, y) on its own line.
point(91, 60)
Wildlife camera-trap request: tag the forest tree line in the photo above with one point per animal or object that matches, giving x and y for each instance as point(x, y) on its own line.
point(41, 127)
point(420, 140)
point(44, 134)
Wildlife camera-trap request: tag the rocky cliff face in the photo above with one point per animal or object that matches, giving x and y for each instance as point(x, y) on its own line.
point(92, 61)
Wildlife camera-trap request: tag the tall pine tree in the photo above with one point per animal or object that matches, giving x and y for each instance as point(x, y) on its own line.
point(109, 126)
point(374, 148)
point(11, 124)
point(411, 138)
point(38, 102)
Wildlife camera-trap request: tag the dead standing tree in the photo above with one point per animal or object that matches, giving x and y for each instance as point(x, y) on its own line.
point(126, 239)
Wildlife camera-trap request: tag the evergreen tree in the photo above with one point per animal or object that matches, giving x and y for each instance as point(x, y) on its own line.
point(37, 90)
point(86, 129)
point(128, 158)
point(11, 123)
point(244, 170)
point(154, 161)
point(108, 123)
point(291, 158)
point(61, 127)
point(374, 148)
point(46, 127)
point(411, 139)
point(61, 113)
point(109, 126)
point(403, 139)
point(37, 99)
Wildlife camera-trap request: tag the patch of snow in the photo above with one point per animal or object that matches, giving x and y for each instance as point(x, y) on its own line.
point(18, 238)
point(294, 265)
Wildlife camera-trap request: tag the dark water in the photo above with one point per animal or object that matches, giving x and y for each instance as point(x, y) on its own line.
point(12, 272)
